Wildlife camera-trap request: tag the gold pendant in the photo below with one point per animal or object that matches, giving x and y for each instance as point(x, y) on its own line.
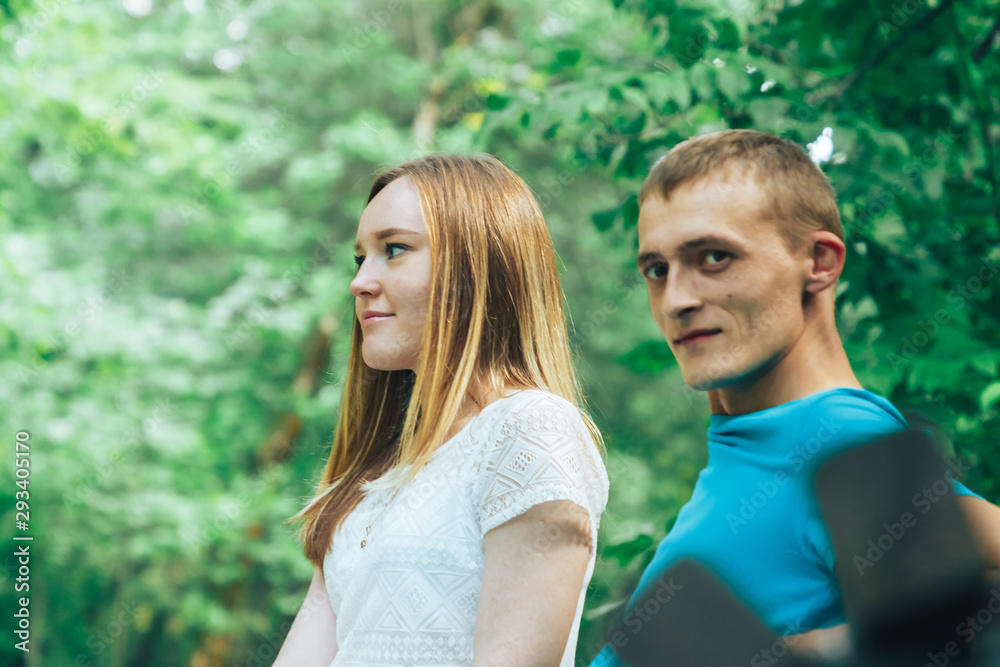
point(365, 541)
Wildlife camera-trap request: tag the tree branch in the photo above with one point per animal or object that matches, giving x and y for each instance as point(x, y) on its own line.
point(987, 43)
point(278, 445)
point(887, 51)
point(980, 106)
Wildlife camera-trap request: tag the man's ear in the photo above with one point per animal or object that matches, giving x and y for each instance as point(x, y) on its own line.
point(825, 261)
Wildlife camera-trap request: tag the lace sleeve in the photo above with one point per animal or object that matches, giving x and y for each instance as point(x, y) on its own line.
point(539, 450)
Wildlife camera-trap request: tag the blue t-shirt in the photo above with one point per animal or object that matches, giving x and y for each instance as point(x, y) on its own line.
point(752, 518)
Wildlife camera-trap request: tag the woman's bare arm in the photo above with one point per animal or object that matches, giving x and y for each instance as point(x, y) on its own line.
point(312, 639)
point(535, 565)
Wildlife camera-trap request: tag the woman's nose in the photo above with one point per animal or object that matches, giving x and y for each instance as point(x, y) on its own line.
point(365, 283)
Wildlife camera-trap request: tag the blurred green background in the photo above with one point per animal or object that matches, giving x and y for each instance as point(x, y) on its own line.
point(179, 187)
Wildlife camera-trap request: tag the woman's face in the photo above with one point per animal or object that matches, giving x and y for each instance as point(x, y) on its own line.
point(392, 287)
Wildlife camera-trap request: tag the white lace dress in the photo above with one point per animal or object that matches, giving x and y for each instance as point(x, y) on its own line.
point(409, 597)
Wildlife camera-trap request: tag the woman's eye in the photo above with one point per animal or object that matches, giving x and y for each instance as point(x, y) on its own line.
point(654, 271)
point(359, 260)
point(393, 249)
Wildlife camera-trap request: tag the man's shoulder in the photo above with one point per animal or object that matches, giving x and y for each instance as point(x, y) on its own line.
point(846, 416)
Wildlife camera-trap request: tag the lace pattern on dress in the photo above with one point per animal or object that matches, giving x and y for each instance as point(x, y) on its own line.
point(540, 452)
point(410, 597)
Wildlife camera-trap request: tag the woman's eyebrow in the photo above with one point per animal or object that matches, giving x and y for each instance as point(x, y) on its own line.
point(386, 233)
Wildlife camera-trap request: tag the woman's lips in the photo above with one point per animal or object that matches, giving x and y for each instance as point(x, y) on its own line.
point(371, 319)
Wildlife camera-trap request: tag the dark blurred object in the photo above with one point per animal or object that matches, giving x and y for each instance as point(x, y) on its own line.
point(909, 570)
point(688, 618)
point(913, 581)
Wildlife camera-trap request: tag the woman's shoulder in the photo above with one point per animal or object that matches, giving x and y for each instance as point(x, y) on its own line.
point(538, 448)
point(534, 396)
point(536, 416)
point(532, 405)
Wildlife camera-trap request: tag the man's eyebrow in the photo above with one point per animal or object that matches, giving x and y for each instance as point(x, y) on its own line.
point(386, 233)
point(708, 239)
point(646, 257)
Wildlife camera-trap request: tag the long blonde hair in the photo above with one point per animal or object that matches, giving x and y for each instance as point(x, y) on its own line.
point(495, 319)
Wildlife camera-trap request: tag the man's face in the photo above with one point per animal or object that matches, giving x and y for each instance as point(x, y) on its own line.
point(724, 288)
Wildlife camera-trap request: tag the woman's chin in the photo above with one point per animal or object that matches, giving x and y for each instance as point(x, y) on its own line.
point(381, 360)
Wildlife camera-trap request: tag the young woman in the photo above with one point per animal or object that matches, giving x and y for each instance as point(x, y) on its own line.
point(457, 517)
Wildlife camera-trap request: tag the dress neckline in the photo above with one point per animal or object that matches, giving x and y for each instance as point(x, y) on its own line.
point(468, 425)
point(379, 482)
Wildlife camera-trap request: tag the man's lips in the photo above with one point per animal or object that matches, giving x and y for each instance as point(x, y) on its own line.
point(696, 336)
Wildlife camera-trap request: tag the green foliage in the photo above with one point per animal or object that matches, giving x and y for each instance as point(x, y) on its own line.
point(179, 189)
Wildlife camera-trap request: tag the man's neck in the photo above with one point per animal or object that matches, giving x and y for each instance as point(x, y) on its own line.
point(812, 365)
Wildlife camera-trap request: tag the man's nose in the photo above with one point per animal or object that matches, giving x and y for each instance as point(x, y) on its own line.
point(680, 298)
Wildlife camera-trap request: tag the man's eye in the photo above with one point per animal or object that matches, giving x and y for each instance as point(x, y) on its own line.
point(654, 271)
point(716, 257)
point(392, 248)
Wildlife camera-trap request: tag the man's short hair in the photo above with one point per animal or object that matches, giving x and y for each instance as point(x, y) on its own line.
point(798, 195)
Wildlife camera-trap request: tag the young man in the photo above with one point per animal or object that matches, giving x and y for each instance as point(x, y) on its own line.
point(741, 246)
